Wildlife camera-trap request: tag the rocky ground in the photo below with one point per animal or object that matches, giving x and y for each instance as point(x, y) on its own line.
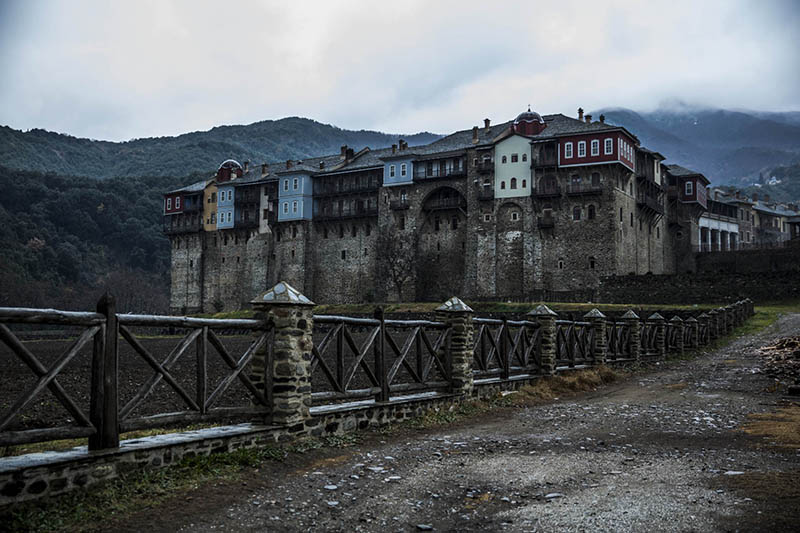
point(663, 450)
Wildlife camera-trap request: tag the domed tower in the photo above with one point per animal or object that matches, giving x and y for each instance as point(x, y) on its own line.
point(529, 123)
point(230, 169)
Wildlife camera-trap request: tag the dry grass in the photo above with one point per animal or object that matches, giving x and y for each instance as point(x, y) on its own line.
point(780, 428)
point(552, 387)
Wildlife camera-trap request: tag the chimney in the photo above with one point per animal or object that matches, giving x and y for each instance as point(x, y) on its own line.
point(602, 119)
point(755, 196)
point(343, 151)
point(588, 119)
point(288, 163)
point(394, 148)
point(486, 123)
point(322, 164)
point(264, 169)
point(403, 144)
point(474, 134)
point(349, 153)
point(766, 198)
point(580, 113)
point(246, 167)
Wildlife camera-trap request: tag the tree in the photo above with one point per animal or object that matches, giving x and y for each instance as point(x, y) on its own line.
point(396, 255)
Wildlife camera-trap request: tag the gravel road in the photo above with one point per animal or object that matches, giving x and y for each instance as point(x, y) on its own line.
point(660, 451)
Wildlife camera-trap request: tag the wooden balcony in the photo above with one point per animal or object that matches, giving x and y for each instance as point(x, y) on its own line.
point(345, 214)
point(584, 189)
point(485, 167)
point(650, 203)
point(438, 172)
point(548, 191)
point(439, 204)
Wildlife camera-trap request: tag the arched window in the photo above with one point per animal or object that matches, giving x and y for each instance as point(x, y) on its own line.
point(524, 157)
point(502, 185)
point(504, 159)
point(591, 263)
point(513, 183)
point(576, 213)
point(591, 213)
point(524, 183)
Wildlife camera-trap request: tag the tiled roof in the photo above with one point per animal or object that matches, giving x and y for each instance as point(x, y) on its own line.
point(194, 187)
point(677, 170)
point(776, 210)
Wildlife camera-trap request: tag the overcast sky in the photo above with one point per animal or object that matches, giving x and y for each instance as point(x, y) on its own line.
point(114, 70)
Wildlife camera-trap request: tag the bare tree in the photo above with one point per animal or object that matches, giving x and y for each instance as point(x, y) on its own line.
point(396, 253)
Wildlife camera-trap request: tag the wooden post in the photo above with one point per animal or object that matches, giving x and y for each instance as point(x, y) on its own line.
point(546, 318)
point(458, 316)
point(381, 371)
point(506, 360)
point(202, 370)
point(634, 334)
point(599, 345)
point(288, 360)
point(104, 408)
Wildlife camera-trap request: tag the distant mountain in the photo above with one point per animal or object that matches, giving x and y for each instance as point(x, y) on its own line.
point(729, 147)
point(269, 140)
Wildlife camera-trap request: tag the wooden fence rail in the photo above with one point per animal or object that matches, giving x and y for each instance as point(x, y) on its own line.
point(350, 358)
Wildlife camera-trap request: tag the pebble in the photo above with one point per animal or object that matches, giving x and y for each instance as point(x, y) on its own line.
point(332, 503)
point(331, 487)
point(553, 495)
point(424, 527)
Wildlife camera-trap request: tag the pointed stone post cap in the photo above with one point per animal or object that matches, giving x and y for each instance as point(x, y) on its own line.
point(655, 316)
point(594, 313)
point(542, 310)
point(676, 318)
point(630, 315)
point(282, 293)
point(691, 319)
point(455, 304)
point(703, 315)
point(712, 312)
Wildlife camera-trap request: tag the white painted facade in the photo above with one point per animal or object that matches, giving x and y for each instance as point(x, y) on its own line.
point(512, 179)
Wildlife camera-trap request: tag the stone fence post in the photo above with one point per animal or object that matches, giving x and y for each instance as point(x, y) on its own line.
point(713, 328)
point(678, 326)
point(600, 343)
point(546, 318)
point(286, 378)
point(635, 334)
point(730, 319)
point(705, 321)
point(661, 334)
point(721, 328)
point(458, 316)
point(694, 332)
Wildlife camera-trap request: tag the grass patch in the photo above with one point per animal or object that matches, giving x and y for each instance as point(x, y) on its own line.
point(781, 428)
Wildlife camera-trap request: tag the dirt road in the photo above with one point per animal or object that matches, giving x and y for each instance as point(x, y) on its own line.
point(660, 451)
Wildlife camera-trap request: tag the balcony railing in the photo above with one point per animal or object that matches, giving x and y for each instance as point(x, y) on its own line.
point(171, 228)
point(547, 191)
point(486, 194)
point(650, 202)
point(485, 167)
point(331, 190)
point(397, 205)
point(347, 213)
point(438, 172)
point(546, 222)
point(583, 189)
point(435, 204)
point(544, 161)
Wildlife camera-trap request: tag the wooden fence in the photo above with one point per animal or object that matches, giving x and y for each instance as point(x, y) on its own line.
point(350, 359)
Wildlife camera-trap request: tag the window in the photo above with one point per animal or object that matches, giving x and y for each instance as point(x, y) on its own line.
point(591, 263)
point(367, 230)
point(294, 232)
point(514, 216)
point(169, 203)
point(341, 231)
point(582, 149)
point(354, 232)
point(524, 183)
point(595, 147)
point(513, 183)
point(689, 188)
point(631, 219)
point(178, 202)
point(436, 223)
point(487, 218)
point(524, 157)
point(391, 171)
point(285, 185)
point(620, 214)
point(324, 233)
point(658, 232)
point(344, 255)
point(504, 160)
point(294, 206)
point(213, 197)
point(568, 151)
point(576, 213)
point(619, 147)
point(514, 158)
point(609, 146)
point(403, 169)
point(402, 222)
point(295, 183)
point(561, 264)
point(502, 185)
point(590, 212)
point(454, 222)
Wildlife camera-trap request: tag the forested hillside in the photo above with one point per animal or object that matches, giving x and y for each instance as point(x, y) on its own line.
point(66, 238)
point(269, 140)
